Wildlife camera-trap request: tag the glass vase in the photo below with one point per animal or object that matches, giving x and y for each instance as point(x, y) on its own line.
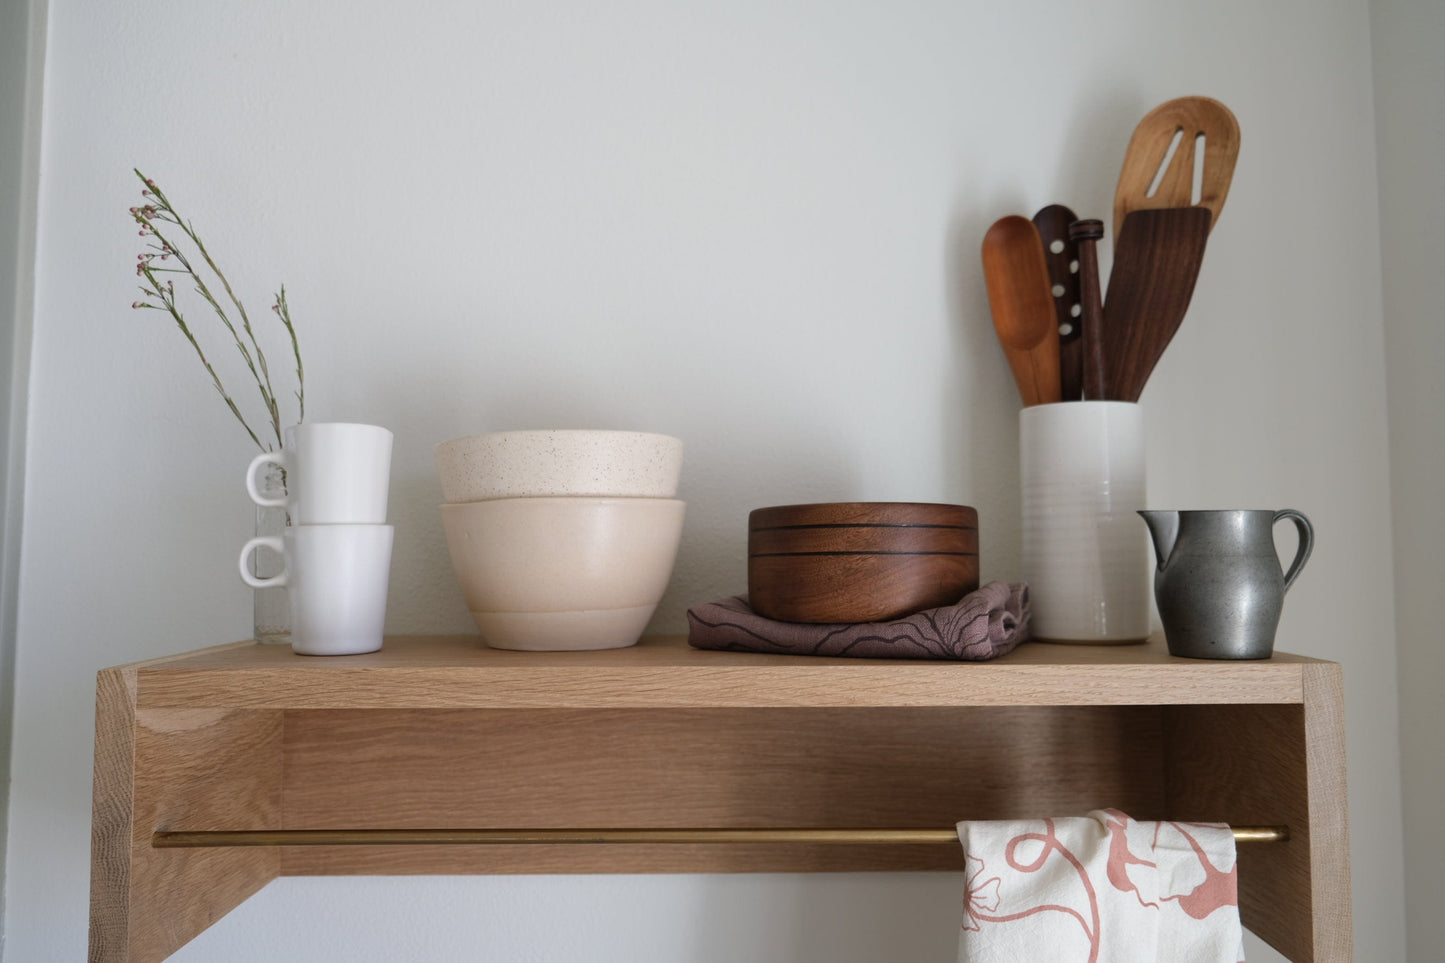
point(272, 606)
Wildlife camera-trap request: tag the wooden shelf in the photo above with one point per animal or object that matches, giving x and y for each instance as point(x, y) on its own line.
point(458, 672)
point(441, 732)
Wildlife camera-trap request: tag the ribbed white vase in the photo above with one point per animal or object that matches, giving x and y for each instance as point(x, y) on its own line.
point(1085, 551)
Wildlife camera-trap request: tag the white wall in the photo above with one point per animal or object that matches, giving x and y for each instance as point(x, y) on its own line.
point(1410, 118)
point(754, 225)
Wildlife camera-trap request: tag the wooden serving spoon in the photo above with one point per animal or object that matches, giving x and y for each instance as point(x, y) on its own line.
point(1023, 307)
point(1185, 120)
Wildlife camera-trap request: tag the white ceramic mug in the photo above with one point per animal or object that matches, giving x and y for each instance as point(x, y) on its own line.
point(1085, 556)
point(336, 474)
point(336, 576)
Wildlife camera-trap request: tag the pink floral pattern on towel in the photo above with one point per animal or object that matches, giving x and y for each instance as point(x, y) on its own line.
point(1099, 889)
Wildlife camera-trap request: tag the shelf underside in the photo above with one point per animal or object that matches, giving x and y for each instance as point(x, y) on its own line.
point(839, 768)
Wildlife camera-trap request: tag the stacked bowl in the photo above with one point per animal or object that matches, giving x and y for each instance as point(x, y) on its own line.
point(561, 540)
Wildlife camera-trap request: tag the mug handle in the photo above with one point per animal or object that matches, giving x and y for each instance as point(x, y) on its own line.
point(1306, 542)
point(275, 544)
point(276, 458)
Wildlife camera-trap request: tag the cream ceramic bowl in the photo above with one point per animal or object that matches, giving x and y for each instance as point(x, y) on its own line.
point(514, 464)
point(563, 573)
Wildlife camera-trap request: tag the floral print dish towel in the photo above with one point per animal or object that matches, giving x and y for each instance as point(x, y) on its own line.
point(1101, 888)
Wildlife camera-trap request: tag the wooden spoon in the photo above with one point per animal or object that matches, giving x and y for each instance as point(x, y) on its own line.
point(1023, 307)
point(1061, 255)
point(1188, 119)
point(1156, 261)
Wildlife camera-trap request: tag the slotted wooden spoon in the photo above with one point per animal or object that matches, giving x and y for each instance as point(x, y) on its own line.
point(1178, 124)
point(1023, 306)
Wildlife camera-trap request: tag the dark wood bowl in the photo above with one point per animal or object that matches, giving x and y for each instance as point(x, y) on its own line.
point(850, 562)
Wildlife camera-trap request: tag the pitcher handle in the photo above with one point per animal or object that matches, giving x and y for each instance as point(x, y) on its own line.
point(1306, 542)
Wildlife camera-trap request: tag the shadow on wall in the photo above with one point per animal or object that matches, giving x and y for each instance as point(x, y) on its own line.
point(981, 425)
point(721, 487)
point(1088, 171)
point(981, 401)
point(817, 918)
point(726, 473)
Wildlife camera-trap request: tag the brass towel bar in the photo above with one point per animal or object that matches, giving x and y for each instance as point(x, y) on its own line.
point(472, 837)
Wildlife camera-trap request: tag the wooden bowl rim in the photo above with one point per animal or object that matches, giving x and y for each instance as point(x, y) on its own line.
point(963, 517)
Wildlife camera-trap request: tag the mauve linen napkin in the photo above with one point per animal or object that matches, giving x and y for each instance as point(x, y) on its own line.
point(982, 625)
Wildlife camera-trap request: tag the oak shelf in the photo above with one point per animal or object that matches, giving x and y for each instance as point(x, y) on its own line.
point(442, 732)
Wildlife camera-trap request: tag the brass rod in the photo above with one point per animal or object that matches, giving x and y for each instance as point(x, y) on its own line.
point(472, 837)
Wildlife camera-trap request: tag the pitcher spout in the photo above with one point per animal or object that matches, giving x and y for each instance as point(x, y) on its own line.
point(1164, 528)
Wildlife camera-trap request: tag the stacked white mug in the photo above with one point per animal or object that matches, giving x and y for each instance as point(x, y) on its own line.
point(337, 545)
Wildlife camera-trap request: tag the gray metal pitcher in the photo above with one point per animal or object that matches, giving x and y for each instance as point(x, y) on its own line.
point(1219, 584)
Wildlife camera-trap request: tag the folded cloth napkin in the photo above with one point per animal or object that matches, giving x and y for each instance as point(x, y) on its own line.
point(1101, 888)
point(982, 625)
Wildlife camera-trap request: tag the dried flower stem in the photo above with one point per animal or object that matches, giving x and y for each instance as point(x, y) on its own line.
point(160, 295)
point(284, 311)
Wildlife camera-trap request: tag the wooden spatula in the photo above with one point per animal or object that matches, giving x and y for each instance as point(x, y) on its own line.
point(1061, 255)
point(1023, 307)
point(1187, 120)
point(1156, 261)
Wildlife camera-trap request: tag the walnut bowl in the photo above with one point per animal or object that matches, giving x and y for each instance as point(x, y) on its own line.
point(853, 562)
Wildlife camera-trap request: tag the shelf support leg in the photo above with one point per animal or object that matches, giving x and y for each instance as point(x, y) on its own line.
point(174, 769)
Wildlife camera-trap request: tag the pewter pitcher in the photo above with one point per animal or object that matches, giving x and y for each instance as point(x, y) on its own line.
point(1219, 584)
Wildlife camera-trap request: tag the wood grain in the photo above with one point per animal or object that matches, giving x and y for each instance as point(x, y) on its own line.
point(701, 767)
point(158, 769)
point(1019, 298)
point(111, 819)
point(664, 672)
point(1230, 763)
point(1238, 763)
point(1086, 235)
point(857, 588)
point(1187, 118)
point(1156, 262)
point(891, 539)
point(437, 731)
point(199, 769)
point(1329, 815)
point(1064, 276)
point(831, 514)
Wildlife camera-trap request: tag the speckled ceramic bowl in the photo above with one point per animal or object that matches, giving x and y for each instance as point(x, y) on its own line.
point(565, 572)
point(520, 464)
